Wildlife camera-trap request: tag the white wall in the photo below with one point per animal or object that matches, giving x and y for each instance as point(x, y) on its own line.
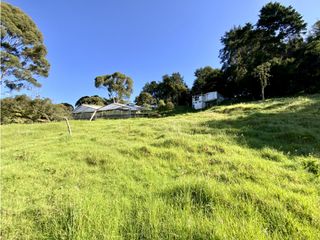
point(211, 96)
point(199, 101)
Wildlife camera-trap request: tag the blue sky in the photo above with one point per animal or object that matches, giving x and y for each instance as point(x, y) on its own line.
point(144, 39)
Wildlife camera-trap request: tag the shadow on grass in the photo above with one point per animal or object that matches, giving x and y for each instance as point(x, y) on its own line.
point(293, 132)
point(178, 110)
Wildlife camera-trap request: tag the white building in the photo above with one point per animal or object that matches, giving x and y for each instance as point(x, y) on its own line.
point(202, 101)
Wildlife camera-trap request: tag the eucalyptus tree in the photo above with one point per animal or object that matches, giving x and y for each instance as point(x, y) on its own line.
point(118, 85)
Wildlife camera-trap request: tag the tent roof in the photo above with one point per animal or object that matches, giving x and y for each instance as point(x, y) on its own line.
point(115, 106)
point(86, 108)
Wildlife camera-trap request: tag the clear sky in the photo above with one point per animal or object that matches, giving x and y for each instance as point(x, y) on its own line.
point(143, 39)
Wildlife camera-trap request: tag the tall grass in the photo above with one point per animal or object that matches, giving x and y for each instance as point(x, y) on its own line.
point(244, 171)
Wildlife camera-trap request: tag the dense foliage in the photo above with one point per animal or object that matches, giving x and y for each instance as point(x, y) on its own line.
point(271, 56)
point(208, 79)
point(22, 109)
point(93, 100)
point(172, 89)
point(23, 54)
point(145, 98)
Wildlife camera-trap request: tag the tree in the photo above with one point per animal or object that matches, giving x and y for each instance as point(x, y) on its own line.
point(238, 58)
point(23, 53)
point(308, 63)
point(68, 105)
point(277, 35)
point(118, 85)
point(152, 88)
point(145, 98)
point(262, 72)
point(315, 31)
point(208, 79)
point(281, 31)
point(173, 88)
point(281, 23)
point(94, 100)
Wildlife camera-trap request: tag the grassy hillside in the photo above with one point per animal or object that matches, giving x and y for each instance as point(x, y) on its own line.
point(244, 171)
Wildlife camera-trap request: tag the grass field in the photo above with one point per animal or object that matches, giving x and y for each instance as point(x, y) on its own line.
point(244, 171)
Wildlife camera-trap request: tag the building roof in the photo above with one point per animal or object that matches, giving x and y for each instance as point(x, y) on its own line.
point(86, 108)
point(114, 106)
point(135, 107)
point(203, 94)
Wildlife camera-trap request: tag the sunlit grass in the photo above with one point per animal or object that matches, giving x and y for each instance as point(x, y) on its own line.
point(244, 171)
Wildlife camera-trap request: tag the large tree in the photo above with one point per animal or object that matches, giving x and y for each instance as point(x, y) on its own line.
point(277, 35)
point(118, 85)
point(238, 58)
point(152, 88)
point(282, 24)
point(308, 63)
point(145, 98)
point(208, 79)
point(23, 53)
point(174, 89)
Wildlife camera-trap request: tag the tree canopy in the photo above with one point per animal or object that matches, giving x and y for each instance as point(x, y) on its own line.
point(94, 100)
point(23, 53)
point(118, 85)
point(272, 47)
point(145, 98)
point(171, 89)
point(208, 79)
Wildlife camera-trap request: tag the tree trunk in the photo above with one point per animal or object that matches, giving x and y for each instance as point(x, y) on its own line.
point(262, 93)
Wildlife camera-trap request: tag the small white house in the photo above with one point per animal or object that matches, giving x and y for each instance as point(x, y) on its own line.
point(202, 101)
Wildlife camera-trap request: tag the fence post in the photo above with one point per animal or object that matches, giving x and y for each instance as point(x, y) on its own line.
point(68, 125)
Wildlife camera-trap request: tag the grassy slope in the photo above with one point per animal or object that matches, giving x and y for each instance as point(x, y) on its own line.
point(246, 171)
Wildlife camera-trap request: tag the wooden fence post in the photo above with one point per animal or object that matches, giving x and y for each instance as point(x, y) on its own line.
point(92, 116)
point(68, 125)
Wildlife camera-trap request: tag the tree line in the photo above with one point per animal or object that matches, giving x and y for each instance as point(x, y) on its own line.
point(271, 58)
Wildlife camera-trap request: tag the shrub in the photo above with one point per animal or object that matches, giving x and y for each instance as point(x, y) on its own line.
point(22, 109)
point(162, 105)
point(169, 105)
point(312, 166)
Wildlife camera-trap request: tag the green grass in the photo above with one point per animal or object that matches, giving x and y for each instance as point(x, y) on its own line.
point(244, 171)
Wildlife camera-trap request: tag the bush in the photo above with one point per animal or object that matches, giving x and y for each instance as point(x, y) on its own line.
point(22, 109)
point(169, 105)
point(162, 105)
